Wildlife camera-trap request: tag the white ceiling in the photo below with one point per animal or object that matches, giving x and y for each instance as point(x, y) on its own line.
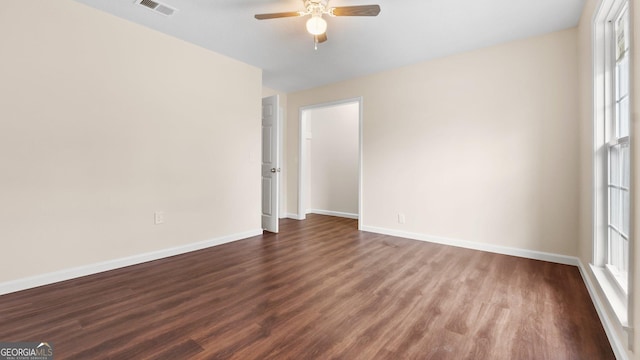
point(405, 32)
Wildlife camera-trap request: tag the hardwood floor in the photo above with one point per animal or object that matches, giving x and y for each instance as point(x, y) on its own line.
point(318, 290)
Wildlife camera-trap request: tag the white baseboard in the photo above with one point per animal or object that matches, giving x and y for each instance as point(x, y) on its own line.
point(67, 274)
point(529, 254)
point(333, 213)
point(601, 308)
point(295, 216)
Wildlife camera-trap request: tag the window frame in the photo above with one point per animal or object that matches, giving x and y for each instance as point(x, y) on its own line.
point(604, 96)
point(620, 277)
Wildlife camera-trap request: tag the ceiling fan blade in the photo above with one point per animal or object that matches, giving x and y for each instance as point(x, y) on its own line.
point(360, 10)
point(277, 15)
point(321, 38)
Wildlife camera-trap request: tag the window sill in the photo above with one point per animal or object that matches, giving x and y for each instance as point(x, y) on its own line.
point(617, 278)
point(616, 300)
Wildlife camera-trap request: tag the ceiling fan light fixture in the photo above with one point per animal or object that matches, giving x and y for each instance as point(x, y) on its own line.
point(316, 25)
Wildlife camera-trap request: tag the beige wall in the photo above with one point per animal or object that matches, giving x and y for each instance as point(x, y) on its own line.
point(586, 131)
point(103, 122)
point(334, 155)
point(586, 165)
point(480, 146)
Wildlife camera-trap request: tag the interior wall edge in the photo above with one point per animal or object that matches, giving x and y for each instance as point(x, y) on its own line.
point(497, 249)
point(295, 216)
point(334, 213)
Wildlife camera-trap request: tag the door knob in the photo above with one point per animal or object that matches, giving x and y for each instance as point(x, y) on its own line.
point(273, 170)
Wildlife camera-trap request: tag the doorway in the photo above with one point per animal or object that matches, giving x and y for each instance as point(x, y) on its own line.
point(330, 171)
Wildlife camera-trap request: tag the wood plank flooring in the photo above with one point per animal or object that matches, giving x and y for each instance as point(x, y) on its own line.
point(318, 290)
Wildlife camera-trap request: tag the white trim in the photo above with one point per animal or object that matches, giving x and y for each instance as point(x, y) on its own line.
point(282, 191)
point(605, 319)
point(529, 254)
point(301, 215)
point(333, 213)
point(295, 216)
point(360, 166)
point(67, 274)
point(616, 299)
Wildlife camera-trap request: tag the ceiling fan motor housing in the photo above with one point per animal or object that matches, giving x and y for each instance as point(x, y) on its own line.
point(316, 7)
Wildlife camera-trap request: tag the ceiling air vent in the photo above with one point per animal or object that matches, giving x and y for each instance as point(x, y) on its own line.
point(157, 7)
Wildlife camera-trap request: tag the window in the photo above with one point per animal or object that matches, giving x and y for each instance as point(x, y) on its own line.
point(612, 165)
point(618, 158)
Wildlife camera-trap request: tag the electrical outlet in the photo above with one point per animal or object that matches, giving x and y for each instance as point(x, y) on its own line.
point(401, 218)
point(158, 217)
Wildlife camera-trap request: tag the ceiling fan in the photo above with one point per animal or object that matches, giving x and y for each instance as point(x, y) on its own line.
point(316, 25)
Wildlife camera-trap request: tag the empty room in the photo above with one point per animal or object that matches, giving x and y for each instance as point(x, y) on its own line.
point(313, 179)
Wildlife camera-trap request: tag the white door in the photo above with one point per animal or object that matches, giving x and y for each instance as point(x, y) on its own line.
point(270, 166)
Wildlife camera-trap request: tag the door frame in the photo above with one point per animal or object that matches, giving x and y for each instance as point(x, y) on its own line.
point(302, 152)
